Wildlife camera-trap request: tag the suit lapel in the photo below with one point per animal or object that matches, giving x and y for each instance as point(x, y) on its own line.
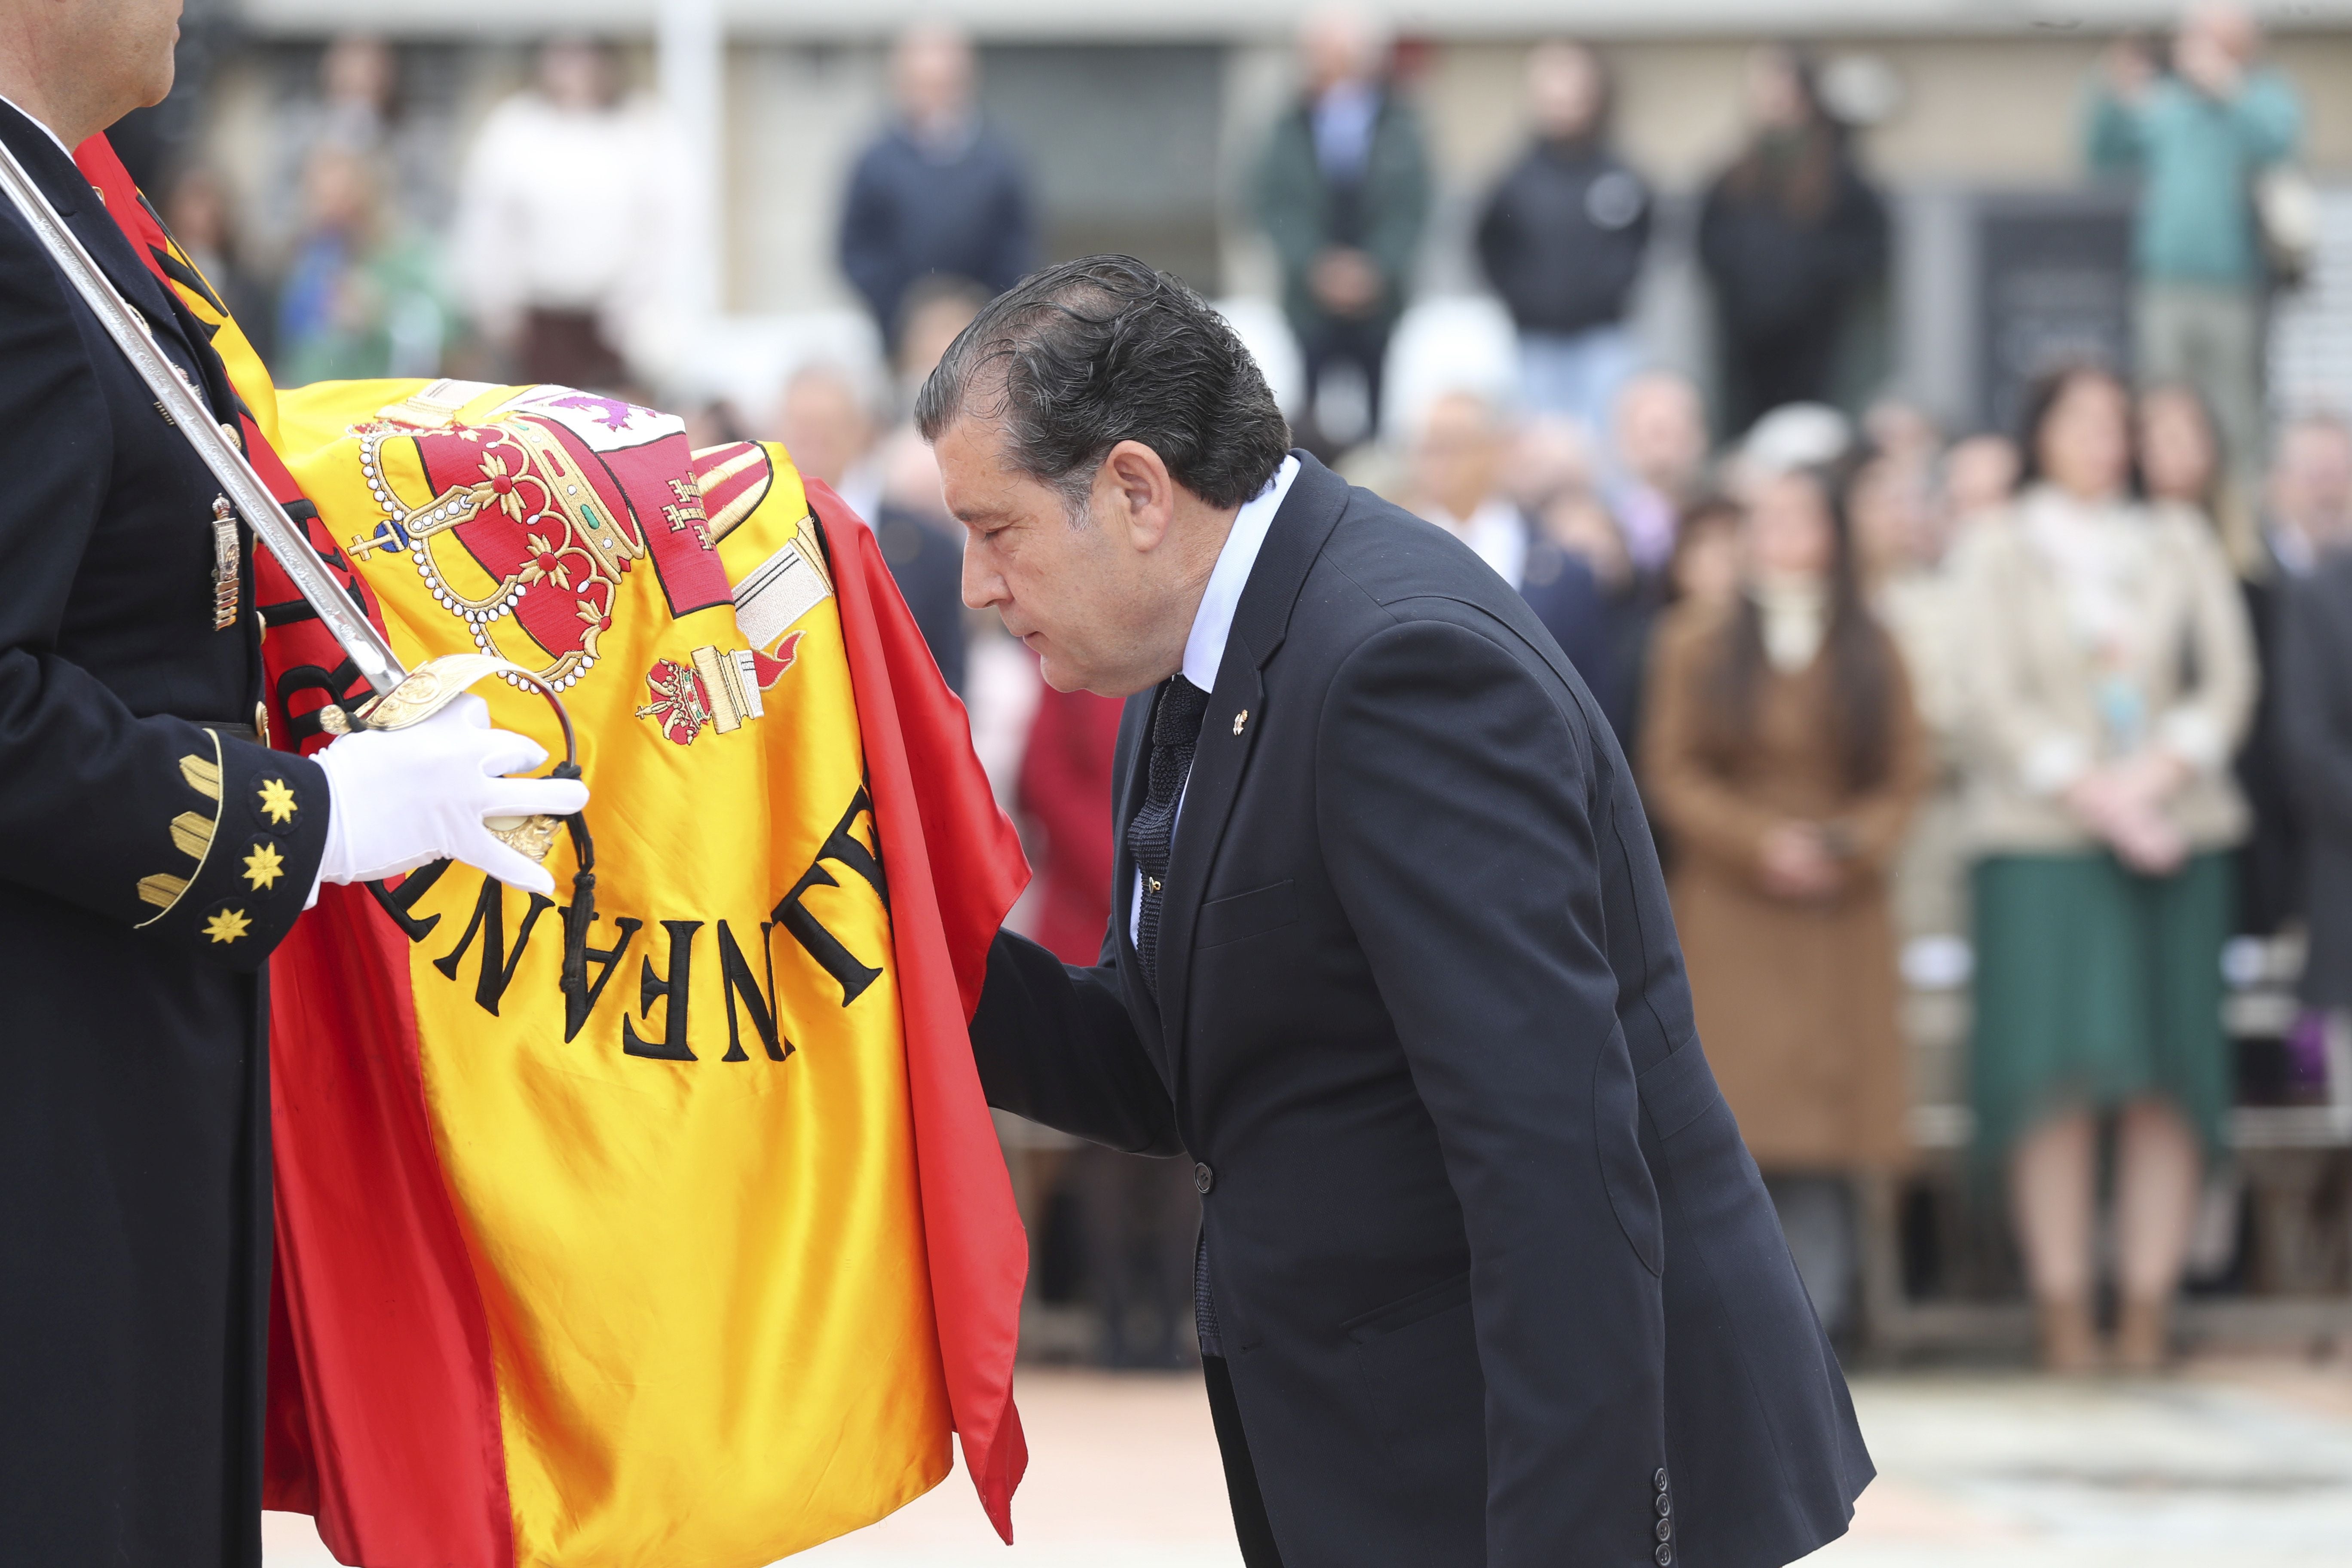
point(1236, 717)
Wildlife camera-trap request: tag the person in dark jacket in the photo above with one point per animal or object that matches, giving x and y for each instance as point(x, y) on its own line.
point(2316, 728)
point(1457, 461)
point(158, 850)
point(1343, 191)
point(1562, 239)
point(1486, 1280)
point(939, 190)
point(1791, 236)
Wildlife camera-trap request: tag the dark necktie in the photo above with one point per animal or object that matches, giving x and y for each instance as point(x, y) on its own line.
point(1175, 734)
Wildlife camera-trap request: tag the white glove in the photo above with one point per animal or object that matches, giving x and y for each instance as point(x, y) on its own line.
point(400, 798)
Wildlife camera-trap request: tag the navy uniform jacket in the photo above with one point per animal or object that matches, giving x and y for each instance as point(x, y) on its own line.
point(149, 860)
point(1486, 1253)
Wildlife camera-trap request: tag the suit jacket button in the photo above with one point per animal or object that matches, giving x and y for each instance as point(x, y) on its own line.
point(1665, 1531)
point(1664, 1556)
point(1203, 1179)
point(1665, 1505)
point(1659, 1481)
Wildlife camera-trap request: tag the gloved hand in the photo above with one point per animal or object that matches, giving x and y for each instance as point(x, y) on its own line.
point(402, 798)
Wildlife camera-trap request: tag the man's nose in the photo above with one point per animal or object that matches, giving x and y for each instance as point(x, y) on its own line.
point(982, 586)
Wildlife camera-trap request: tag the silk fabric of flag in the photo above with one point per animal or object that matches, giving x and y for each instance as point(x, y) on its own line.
point(681, 1235)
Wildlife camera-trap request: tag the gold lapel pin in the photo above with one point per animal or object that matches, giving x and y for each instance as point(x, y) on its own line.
point(1240, 719)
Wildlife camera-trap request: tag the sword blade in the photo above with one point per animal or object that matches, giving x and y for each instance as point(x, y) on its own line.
point(285, 538)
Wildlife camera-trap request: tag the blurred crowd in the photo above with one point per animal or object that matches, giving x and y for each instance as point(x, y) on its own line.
point(2059, 710)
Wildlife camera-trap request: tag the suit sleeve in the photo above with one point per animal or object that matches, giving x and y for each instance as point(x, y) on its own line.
point(1458, 808)
point(1054, 1044)
point(156, 822)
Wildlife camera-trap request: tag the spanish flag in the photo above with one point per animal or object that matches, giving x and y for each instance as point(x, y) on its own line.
point(663, 1222)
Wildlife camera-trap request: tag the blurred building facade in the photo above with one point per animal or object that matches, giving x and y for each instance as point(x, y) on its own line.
point(1141, 124)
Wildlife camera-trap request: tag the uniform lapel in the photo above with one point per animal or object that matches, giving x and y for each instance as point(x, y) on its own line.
point(85, 214)
point(1236, 716)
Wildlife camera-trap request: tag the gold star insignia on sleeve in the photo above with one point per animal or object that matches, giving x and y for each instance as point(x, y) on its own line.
point(276, 800)
point(227, 925)
point(264, 866)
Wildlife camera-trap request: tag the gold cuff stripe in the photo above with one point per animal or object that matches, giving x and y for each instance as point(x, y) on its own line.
point(193, 834)
point(162, 890)
point(190, 832)
point(204, 778)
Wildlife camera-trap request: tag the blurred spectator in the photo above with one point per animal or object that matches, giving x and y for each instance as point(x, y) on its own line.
point(939, 191)
point(2308, 513)
point(1550, 475)
point(566, 221)
point(1705, 569)
point(357, 107)
point(2108, 675)
point(1562, 239)
point(2199, 138)
point(829, 427)
point(1782, 753)
point(359, 300)
point(2309, 509)
point(716, 422)
point(1660, 431)
point(932, 314)
point(1064, 796)
point(2180, 457)
point(1457, 461)
point(1342, 191)
point(1900, 536)
point(1903, 433)
point(2315, 705)
point(1899, 542)
point(826, 423)
point(1791, 236)
point(1980, 476)
point(197, 213)
point(1791, 437)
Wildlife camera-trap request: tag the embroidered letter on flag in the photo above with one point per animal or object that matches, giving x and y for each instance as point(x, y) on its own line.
point(660, 1222)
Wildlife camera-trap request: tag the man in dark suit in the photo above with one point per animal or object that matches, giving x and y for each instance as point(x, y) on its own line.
point(156, 850)
point(1487, 1277)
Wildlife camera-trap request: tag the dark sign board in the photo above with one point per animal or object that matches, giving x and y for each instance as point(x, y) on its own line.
point(2054, 280)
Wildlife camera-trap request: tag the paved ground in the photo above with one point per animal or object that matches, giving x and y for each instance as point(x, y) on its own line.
point(2244, 1463)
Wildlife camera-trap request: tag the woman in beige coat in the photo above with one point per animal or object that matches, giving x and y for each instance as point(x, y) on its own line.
point(2107, 676)
point(1783, 757)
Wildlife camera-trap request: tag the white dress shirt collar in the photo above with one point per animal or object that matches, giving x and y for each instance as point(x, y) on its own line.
point(1496, 532)
point(37, 121)
point(1213, 623)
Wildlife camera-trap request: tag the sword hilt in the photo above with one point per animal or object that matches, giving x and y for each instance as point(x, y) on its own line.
point(433, 686)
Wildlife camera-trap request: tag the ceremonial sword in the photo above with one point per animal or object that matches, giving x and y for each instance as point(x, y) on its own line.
point(406, 697)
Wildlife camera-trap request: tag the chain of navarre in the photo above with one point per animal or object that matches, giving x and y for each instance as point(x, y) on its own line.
point(571, 549)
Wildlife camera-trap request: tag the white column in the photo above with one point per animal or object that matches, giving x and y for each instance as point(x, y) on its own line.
point(691, 51)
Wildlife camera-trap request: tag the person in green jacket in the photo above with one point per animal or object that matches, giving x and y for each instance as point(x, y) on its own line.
point(2199, 138)
point(1342, 191)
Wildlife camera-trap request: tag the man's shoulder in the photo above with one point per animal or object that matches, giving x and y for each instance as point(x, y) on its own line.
point(1395, 557)
point(1384, 567)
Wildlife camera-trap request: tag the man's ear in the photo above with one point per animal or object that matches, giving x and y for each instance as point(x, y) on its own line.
point(1134, 491)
